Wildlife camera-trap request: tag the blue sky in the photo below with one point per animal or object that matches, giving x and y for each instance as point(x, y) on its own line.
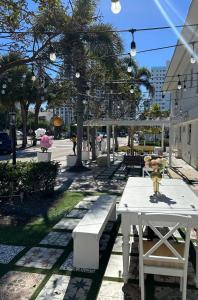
point(145, 13)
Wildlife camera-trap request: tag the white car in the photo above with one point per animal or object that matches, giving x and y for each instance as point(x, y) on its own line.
point(19, 134)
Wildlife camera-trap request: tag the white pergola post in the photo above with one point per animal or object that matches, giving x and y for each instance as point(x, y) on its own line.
point(88, 138)
point(108, 146)
point(162, 138)
point(170, 145)
point(113, 146)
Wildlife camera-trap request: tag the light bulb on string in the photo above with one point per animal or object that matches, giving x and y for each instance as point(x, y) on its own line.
point(9, 79)
point(52, 54)
point(192, 58)
point(129, 69)
point(132, 90)
point(3, 92)
point(133, 44)
point(4, 86)
point(185, 88)
point(77, 74)
point(116, 6)
point(33, 75)
point(179, 85)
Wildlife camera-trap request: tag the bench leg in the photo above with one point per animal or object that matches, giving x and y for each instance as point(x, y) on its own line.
point(113, 214)
point(86, 251)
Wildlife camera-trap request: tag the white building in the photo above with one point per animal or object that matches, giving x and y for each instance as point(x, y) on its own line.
point(46, 115)
point(184, 102)
point(158, 75)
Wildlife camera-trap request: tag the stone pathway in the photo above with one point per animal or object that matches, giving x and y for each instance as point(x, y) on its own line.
point(46, 272)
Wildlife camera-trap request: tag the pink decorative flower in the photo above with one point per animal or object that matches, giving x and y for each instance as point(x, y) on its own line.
point(45, 143)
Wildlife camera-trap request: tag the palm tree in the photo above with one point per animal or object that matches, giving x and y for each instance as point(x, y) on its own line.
point(81, 48)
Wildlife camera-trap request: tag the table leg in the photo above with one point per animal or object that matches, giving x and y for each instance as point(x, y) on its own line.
point(125, 249)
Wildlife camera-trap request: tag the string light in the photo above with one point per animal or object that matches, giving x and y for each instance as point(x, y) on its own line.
point(132, 90)
point(192, 58)
point(33, 75)
point(3, 92)
point(9, 79)
point(4, 86)
point(133, 44)
point(77, 74)
point(116, 6)
point(129, 69)
point(52, 54)
point(179, 85)
point(185, 88)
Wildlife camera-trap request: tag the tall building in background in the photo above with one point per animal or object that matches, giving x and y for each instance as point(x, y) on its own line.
point(158, 75)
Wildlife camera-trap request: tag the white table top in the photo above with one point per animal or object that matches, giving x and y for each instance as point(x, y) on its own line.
point(176, 197)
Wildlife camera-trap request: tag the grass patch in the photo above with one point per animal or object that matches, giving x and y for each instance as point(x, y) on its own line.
point(32, 232)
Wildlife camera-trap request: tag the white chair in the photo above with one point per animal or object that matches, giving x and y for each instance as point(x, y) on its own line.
point(164, 257)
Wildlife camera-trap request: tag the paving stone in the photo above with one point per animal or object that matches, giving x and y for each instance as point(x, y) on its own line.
point(39, 257)
point(115, 267)
point(168, 293)
point(68, 266)
point(7, 253)
point(110, 290)
point(16, 285)
point(76, 213)
point(104, 240)
point(67, 224)
point(84, 205)
point(118, 244)
point(61, 287)
point(57, 239)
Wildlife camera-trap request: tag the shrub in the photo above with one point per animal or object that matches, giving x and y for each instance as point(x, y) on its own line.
point(27, 177)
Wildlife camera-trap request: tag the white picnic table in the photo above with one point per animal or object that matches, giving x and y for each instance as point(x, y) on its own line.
point(176, 198)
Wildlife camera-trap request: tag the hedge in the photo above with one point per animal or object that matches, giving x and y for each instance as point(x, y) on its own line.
point(27, 177)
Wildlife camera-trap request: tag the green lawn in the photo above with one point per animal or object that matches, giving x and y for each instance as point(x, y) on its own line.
point(31, 233)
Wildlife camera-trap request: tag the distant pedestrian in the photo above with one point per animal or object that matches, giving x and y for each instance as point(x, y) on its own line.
point(74, 141)
point(98, 141)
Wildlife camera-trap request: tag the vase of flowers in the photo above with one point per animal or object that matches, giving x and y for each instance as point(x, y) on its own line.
point(157, 166)
point(45, 143)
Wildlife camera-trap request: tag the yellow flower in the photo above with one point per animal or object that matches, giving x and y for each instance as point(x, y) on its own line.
point(147, 158)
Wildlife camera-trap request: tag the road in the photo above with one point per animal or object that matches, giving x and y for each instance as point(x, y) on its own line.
point(60, 149)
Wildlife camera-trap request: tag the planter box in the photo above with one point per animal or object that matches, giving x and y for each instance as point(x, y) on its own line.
point(71, 160)
point(85, 155)
point(44, 156)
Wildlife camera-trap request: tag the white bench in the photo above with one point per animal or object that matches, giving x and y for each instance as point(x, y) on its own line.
point(86, 235)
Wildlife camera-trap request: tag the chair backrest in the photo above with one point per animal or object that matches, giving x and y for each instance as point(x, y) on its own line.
point(131, 160)
point(156, 220)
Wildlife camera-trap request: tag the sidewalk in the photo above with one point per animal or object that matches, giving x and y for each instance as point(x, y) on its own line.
point(182, 170)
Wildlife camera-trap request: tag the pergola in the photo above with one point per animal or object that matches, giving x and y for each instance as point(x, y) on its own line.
point(111, 123)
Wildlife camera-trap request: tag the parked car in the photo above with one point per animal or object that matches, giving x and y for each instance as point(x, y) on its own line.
point(19, 134)
point(5, 143)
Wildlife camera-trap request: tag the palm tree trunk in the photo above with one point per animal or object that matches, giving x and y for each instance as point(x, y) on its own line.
point(79, 109)
point(93, 142)
point(116, 138)
point(24, 113)
point(36, 115)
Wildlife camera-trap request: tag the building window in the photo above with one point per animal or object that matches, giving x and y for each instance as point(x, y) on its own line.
point(189, 134)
